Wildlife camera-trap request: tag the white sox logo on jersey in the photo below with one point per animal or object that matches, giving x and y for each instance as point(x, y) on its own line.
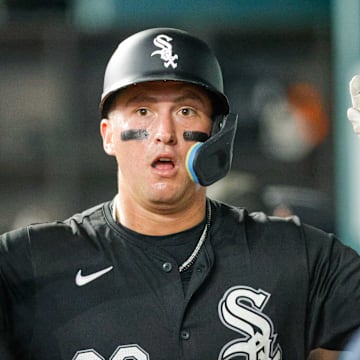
point(240, 309)
point(163, 42)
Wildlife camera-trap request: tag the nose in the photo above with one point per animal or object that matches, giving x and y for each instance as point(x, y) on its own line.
point(165, 131)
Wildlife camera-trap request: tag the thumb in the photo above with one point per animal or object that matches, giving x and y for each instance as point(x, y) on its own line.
point(354, 117)
point(354, 86)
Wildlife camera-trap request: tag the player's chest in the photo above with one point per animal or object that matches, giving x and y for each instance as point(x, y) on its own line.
point(124, 302)
point(112, 309)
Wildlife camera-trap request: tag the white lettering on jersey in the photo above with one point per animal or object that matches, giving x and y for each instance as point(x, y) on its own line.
point(240, 309)
point(87, 355)
point(123, 352)
point(163, 42)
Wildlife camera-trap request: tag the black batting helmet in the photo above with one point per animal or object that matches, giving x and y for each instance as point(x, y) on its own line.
point(164, 54)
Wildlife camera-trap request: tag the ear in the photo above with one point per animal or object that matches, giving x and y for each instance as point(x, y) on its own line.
point(106, 131)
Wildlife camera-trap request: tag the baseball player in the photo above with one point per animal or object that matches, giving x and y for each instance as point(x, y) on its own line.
point(161, 271)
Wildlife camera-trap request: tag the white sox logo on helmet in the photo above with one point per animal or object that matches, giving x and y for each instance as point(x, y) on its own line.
point(162, 41)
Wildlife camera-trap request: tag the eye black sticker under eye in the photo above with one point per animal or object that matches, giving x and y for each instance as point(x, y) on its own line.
point(134, 134)
point(195, 136)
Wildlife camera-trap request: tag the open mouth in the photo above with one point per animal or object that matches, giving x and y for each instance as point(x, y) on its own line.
point(163, 163)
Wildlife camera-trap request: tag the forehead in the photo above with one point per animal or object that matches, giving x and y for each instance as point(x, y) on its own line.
point(164, 91)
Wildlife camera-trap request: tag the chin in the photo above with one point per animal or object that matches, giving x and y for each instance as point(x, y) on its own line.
point(161, 186)
point(165, 194)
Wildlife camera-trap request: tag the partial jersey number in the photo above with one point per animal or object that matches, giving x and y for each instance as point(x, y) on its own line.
point(125, 352)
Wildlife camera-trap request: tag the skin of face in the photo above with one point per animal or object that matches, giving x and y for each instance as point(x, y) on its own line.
point(151, 170)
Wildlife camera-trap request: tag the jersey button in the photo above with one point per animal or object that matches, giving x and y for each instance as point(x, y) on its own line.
point(185, 335)
point(167, 267)
point(199, 269)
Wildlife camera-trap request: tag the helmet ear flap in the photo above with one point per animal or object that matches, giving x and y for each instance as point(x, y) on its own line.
point(218, 123)
point(211, 160)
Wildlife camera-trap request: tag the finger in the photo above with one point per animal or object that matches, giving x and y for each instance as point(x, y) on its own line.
point(354, 117)
point(355, 91)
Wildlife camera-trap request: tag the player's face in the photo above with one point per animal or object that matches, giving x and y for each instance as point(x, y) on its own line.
point(145, 132)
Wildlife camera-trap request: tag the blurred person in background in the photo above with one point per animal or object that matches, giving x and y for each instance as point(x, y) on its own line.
point(161, 271)
point(353, 347)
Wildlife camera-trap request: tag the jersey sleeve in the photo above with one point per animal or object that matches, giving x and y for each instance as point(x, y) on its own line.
point(334, 294)
point(16, 283)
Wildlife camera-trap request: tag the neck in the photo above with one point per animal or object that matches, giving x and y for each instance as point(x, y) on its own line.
point(156, 220)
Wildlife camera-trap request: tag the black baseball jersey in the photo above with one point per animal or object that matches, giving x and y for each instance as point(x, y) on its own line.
point(261, 288)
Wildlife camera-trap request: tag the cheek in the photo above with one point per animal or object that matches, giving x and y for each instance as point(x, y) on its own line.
point(203, 128)
point(131, 153)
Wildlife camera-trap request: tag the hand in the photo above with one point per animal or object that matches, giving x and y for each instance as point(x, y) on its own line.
point(353, 113)
point(323, 354)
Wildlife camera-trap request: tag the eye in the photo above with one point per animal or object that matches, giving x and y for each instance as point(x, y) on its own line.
point(187, 111)
point(142, 111)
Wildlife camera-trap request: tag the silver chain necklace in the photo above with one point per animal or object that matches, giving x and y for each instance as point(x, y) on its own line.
point(193, 256)
point(191, 259)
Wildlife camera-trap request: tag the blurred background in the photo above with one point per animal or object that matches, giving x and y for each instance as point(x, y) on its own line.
point(286, 68)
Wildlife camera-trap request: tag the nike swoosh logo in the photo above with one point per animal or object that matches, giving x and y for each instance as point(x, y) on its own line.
point(81, 280)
